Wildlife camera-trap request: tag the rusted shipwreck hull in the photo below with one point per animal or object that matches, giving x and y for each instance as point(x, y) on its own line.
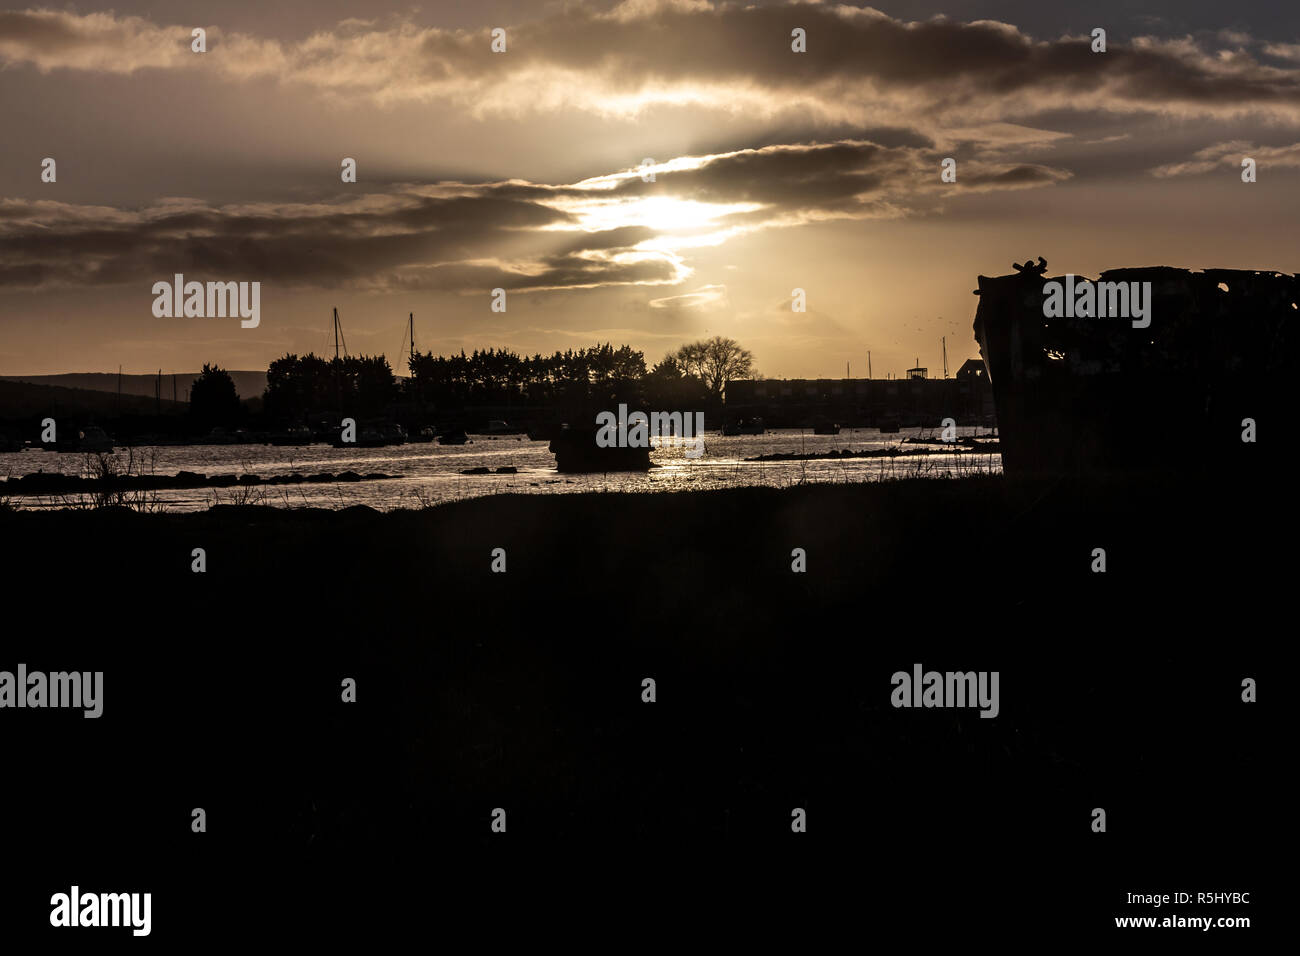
point(1097, 396)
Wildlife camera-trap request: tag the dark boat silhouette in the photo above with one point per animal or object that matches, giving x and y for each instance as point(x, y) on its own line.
point(745, 426)
point(223, 436)
point(543, 432)
point(373, 436)
point(575, 450)
point(453, 436)
point(382, 435)
point(90, 438)
point(294, 435)
point(1093, 396)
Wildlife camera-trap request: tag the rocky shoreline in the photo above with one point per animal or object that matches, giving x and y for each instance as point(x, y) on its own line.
point(893, 451)
point(53, 483)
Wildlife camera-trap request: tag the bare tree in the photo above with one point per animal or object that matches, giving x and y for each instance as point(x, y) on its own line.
point(716, 362)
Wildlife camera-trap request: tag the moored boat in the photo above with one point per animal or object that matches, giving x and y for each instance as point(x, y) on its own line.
point(745, 426)
point(543, 432)
point(295, 435)
point(576, 450)
point(91, 438)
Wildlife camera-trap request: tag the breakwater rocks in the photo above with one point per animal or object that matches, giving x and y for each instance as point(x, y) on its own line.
point(892, 451)
point(53, 483)
point(982, 444)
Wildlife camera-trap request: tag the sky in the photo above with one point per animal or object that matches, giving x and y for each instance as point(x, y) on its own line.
point(643, 172)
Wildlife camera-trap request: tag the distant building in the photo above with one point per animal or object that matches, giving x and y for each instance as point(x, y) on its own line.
point(861, 402)
point(974, 390)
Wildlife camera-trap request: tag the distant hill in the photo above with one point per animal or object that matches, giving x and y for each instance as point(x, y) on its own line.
point(247, 384)
point(25, 400)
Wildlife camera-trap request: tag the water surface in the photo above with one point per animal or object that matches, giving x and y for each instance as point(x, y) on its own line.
point(431, 473)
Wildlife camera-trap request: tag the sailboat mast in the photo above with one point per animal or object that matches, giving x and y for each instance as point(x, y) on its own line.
point(336, 334)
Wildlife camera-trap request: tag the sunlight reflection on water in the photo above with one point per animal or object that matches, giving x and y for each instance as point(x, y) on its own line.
point(431, 473)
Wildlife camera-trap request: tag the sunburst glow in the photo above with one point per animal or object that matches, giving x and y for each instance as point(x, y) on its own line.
point(664, 214)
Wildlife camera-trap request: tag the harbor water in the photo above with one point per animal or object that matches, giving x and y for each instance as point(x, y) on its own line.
point(431, 474)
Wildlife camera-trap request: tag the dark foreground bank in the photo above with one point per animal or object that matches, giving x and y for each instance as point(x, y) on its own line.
point(522, 690)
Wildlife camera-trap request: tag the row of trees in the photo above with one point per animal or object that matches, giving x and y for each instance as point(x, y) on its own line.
point(502, 377)
point(299, 385)
point(694, 377)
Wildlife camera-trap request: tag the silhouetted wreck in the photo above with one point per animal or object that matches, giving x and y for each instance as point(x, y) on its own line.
point(575, 450)
point(1094, 395)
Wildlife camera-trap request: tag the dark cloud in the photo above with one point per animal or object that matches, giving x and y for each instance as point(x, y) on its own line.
point(832, 177)
point(322, 244)
point(860, 64)
point(512, 235)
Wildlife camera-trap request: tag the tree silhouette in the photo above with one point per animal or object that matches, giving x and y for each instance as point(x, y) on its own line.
point(669, 388)
point(716, 362)
point(213, 399)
